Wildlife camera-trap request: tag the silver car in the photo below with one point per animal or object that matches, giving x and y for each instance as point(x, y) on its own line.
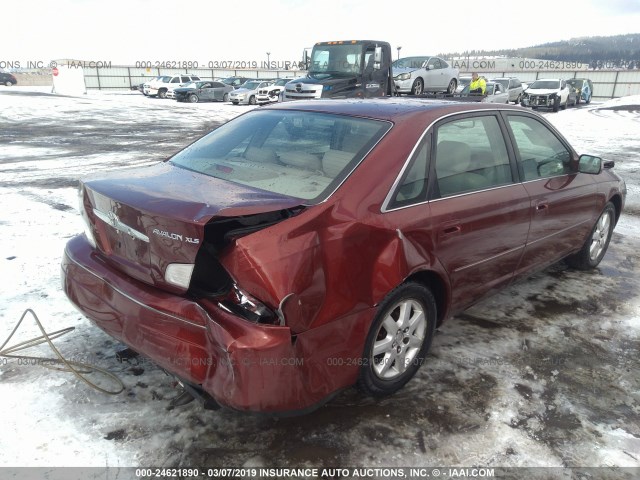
point(416, 75)
point(247, 93)
point(513, 86)
point(494, 93)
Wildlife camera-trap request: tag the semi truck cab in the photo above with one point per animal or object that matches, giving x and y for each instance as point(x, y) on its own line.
point(344, 69)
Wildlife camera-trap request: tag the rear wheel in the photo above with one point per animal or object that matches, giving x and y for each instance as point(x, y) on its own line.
point(418, 87)
point(193, 98)
point(596, 245)
point(398, 340)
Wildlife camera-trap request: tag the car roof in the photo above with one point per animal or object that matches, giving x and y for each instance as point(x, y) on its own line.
point(388, 108)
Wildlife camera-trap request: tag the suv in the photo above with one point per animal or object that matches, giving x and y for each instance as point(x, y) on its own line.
point(160, 85)
point(547, 93)
point(7, 79)
point(511, 85)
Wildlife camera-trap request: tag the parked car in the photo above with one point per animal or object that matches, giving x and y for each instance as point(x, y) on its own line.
point(584, 86)
point(160, 85)
point(416, 75)
point(463, 81)
point(272, 92)
point(303, 248)
point(248, 92)
point(235, 82)
point(513, 86)
point(546, 93)
point(7, 79)
point(202, 91)
point(494, 93)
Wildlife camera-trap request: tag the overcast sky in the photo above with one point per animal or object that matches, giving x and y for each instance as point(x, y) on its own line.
point(126, 31)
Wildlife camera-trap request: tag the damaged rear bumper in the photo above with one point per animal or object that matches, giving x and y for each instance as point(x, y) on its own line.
point(242, 365)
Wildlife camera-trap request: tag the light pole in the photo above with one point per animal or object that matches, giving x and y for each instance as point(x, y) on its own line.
point(268, 63)
point(399, 48)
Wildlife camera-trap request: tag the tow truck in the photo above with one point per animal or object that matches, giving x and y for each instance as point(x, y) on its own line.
point(344, 69)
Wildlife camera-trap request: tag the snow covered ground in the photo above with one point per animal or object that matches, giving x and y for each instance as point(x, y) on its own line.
point(543, 374)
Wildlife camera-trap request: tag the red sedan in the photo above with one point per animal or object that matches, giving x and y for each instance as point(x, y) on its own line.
point(307, 247)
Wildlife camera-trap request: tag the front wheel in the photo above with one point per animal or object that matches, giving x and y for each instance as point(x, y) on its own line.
point(418, 87)
point(252, 100)
point(193, 98)
point(399, 339)
point(452, 87)
point(596, 245)
point(225, 98)
point(8, 83)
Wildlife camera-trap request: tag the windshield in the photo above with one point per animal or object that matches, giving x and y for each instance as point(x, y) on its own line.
point(545, 84)
point(336, 59)
point(410, 62)
point(165, 79)
point(300, 154)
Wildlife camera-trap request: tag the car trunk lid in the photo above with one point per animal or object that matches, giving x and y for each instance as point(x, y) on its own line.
point(147, 218)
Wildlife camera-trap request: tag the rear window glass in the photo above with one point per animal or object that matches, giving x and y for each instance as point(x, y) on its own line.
point(300, 154)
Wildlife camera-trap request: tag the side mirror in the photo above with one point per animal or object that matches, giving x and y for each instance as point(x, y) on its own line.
point(589, 164)
point(377, 55)
point(429, 67)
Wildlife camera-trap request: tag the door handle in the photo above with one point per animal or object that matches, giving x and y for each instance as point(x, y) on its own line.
point(451, 230)
point(542, 207)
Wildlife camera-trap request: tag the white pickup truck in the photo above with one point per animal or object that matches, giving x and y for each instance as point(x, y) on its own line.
point(160, 85)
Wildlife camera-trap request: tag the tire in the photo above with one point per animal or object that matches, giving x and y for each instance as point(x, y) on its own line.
point(162, 93)
point(556, 104)
point(404, 324)
point(225, 98)
point(518, 100)
point(588, 100)
point(193, 98)
point(577, 100)
point(597, 243)
point(8, 83)
point(252, 100)
point(418, 87)
point(453, 84)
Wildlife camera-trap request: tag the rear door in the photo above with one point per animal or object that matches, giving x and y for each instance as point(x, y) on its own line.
point(563, 201)
point(480, 213)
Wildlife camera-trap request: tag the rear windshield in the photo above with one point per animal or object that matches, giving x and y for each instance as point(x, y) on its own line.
point(299, 154)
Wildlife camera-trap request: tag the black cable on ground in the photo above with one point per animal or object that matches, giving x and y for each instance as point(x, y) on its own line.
point(79, 369)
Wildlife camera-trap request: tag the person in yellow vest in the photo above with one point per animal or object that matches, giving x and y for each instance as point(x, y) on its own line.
point(477, 85)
